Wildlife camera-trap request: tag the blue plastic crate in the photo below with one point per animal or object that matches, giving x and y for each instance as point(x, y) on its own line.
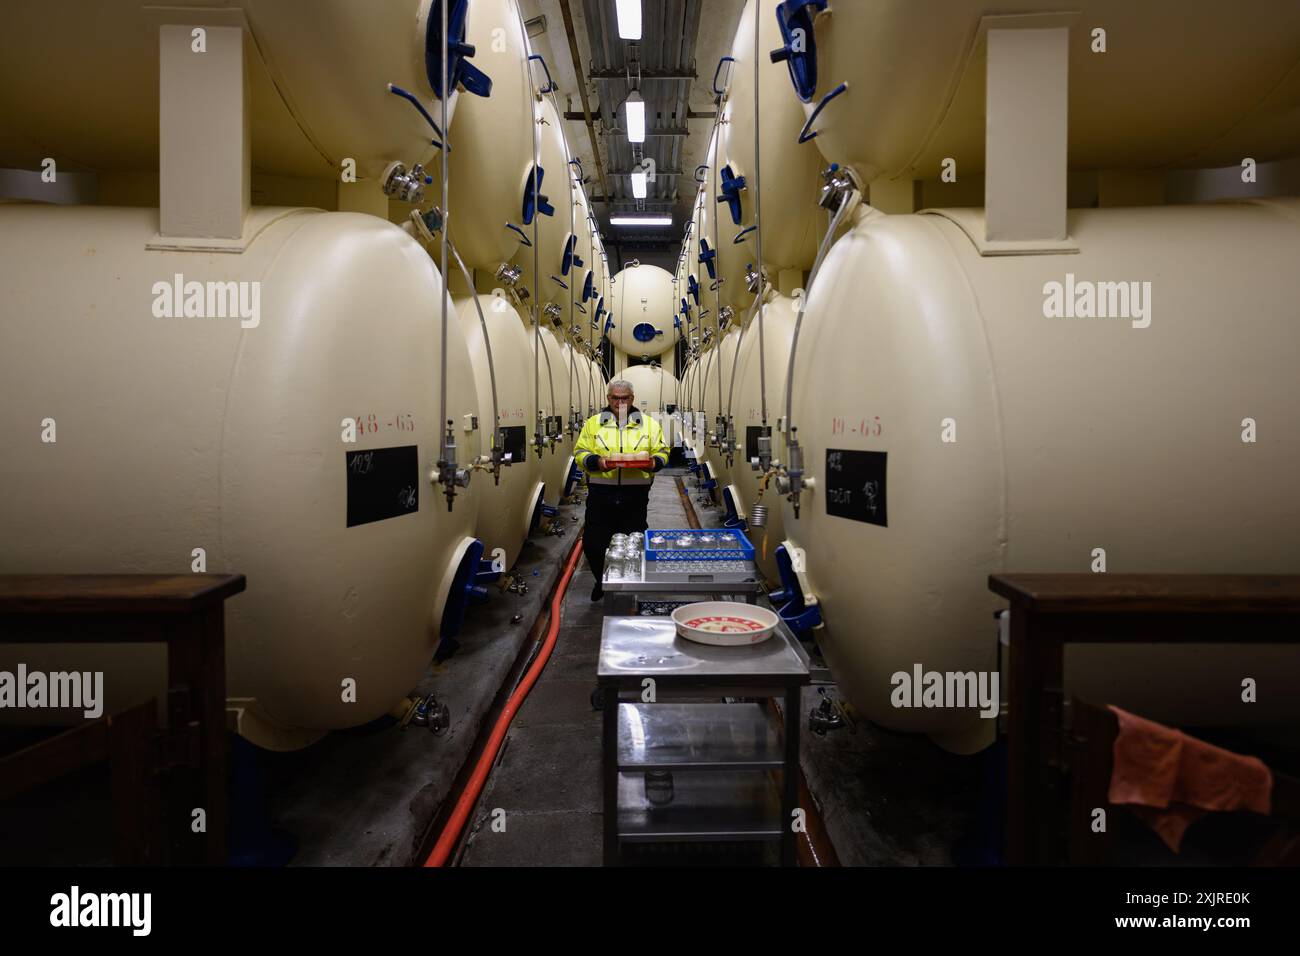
point(745, 551)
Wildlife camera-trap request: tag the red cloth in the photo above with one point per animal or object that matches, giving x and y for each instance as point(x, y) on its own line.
point(1171, 780)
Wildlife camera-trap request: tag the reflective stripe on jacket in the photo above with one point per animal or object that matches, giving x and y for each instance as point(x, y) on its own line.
point(601, 436)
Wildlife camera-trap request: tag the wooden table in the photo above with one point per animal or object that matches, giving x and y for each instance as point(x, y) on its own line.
point(184, 611)
point(1049, 611)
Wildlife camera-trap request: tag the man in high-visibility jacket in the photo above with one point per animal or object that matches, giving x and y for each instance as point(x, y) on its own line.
point(617, 498)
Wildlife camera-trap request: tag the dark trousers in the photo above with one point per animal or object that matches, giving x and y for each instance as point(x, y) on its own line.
point(611, 510)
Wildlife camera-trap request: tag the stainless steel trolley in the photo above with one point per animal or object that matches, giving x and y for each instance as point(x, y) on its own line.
point(685, 771)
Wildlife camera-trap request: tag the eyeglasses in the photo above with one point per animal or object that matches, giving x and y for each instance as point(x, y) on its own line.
point(619, 398)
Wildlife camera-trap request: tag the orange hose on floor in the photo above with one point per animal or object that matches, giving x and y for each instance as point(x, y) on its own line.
point(456, 822)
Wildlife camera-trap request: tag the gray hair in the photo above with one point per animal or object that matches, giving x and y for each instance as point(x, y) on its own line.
point(621, 383)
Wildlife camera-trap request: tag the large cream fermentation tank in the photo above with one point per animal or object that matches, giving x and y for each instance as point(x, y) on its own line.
point(228, 446)
point(974, 391)
point(230, 450)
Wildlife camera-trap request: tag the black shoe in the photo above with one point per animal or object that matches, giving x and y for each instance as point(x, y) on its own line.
point(597, 592)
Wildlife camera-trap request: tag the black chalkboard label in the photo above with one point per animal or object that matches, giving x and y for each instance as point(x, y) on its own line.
point(752, 434)
point(515, 442)
point(855, 485)
point(382, 483)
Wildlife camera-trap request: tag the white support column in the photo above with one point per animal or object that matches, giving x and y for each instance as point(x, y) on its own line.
point(1027, 124)
point(204, 142)
point(893, 196)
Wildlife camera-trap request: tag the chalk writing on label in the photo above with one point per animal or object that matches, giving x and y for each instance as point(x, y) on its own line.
point(855, 485)
point(372, 423)
point(864, 427)
point(382, 483)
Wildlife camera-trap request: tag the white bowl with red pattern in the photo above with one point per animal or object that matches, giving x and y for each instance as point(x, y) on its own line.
point(724, 623)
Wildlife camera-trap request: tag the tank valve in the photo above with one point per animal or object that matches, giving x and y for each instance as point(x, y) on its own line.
point(428, 712)
point(406, 185)
point(427, 224)
point(539, 435)
point(764, 449)
point(499, 457)
point(509, 274)
point(552, 312)
point(730, 447)
point(725, 315)
point(794, 472)
point(837, 183)
point(825, 717)
point(448, 473)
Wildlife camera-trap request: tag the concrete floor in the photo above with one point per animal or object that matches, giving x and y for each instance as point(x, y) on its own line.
point(366, 797)
point(546, 786)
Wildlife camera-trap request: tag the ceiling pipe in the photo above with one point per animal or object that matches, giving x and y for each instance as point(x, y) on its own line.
point(582, 92)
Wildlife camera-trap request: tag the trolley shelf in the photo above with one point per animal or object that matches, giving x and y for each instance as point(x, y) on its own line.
point(709, 736)
point(712, 765)
point(705, 807)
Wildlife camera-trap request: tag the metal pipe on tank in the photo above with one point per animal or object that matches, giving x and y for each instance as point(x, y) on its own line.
point(487, 341)
point(534, 305)
point(442, 139)
point(731, 392)
point(573, 225)
point(845, 205)
point(758, 238)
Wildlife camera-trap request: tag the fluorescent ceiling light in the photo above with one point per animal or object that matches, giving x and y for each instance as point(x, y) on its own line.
point(635, 108)
point(638, 185)
point(640, 220)
point(629, 19)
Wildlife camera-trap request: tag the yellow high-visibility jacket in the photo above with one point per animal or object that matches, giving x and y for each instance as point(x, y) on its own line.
point(601, 436)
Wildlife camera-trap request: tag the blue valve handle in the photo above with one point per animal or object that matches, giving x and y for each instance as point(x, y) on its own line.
point(542, 204)
point(730, 189)
point(459, 72)
point(707, 256)
point(793, 15)
point(567, 261)
point(732, 519)
point(789, 601)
